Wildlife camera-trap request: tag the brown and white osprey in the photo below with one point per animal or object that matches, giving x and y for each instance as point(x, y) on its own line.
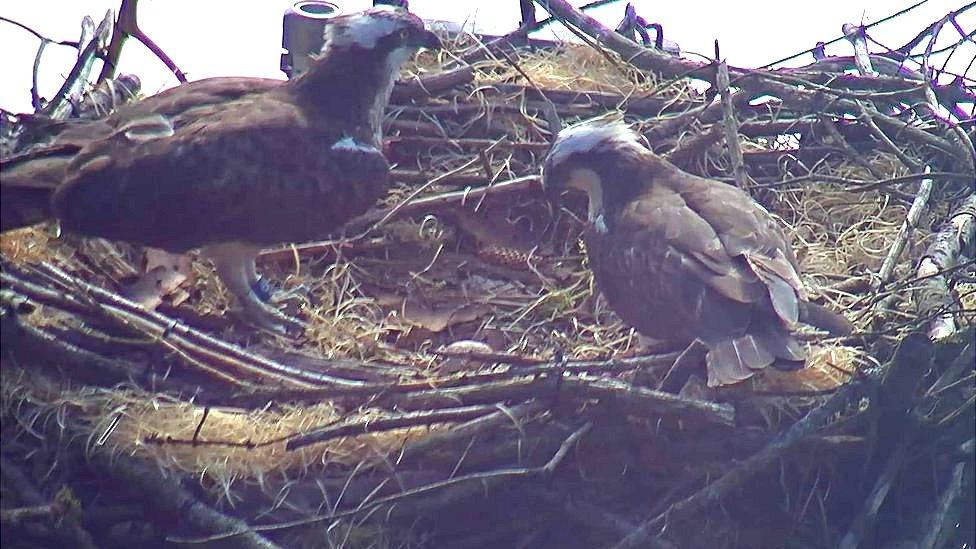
point(229, 164)
point(681, 257)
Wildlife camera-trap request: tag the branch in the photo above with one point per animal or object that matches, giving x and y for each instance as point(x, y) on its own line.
point(127, 25)
point(398, 421)
point(955, 239)
point(744, 471)
point(729, 123)
point(908, 225)
point(477, 481)
point(60, 107)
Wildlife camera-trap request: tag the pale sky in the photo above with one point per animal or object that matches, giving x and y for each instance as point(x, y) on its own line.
point(243, 38)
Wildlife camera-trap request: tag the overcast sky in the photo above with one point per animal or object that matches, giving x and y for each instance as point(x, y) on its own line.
point(243, 38)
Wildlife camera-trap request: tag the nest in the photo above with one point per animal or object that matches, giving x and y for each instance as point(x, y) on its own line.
point(460, 363)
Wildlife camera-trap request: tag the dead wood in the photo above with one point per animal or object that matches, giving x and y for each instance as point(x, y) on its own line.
point(361, 433)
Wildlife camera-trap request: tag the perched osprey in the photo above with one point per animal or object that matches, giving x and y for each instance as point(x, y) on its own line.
point(229, 164)
point(681, 257)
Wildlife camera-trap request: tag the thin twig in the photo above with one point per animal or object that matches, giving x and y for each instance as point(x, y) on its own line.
point(479, 479)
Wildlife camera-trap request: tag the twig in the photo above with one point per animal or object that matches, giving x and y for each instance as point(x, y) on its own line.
point(838, 39)
point(35, 95)
point(956, 237)
point(521, 34)
point(165, 330)
point(14, 517)
point(419, 448)
point(858, 530)
point(398, 421)
point(856, 36)
point(944, 516)
point(682, 367)
point(729, 123)
point(127, 25)
point(478, 480)
point(715, 490)
point(38, 35)
point(907, 226)
point(417, 206)
point(60, 106)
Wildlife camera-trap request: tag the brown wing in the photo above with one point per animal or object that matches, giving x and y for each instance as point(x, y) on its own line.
point(751, 236)
point(253, 169)
point(691, 258)
point(30, 177)
point(667, 272)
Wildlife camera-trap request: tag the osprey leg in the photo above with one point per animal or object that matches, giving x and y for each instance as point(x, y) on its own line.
point(236, 268)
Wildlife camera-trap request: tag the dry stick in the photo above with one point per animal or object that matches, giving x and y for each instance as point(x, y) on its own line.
point(729, 123)
point(855, 35)
point(394, 212)
point(852, 153)
point(432, 84)
point(398, 421)
point(909, 224)
point(889, 144)
point(522, 33)
point(798, 99)
point(459, 143)
point(480, 481)
point(740, 475)
point(418, 448)
point(502, 384)
point(755, 82)
point(127, 25)
point(951, 242)
point(424, 205)
point(16, 479)
point(18, 515)
point(165, 494)
point(60, 106)
point(855, 535)
point(38, 342)
point(523, 365)
point(670, 67)
point(933, 101)
point(863, 186)
point(167, 330)
point(682, 367)
point(35, 96)
point(644, 58)
point(944, 517)
point(636, 401)
point(642, 105)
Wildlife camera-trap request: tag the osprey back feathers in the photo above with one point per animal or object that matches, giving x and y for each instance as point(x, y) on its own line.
point(229, 164)
point(680, 257)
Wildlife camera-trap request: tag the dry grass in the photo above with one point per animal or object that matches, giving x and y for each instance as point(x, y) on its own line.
point(416, 290)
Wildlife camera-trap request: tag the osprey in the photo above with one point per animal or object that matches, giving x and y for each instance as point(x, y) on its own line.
point(681, 257)
point(229, 165)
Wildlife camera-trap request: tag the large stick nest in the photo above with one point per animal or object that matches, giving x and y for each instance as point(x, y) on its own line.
point(463, 384)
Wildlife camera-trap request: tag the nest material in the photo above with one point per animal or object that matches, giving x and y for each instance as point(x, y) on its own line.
point(418, 284)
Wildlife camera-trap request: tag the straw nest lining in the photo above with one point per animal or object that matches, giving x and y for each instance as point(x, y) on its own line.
point(836, 234)
point(419, 284)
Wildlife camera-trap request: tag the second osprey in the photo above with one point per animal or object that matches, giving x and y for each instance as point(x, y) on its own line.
point(680, 257)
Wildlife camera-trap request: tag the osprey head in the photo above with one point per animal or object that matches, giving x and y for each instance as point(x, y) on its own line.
point(585, 156)
point(382, 28)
